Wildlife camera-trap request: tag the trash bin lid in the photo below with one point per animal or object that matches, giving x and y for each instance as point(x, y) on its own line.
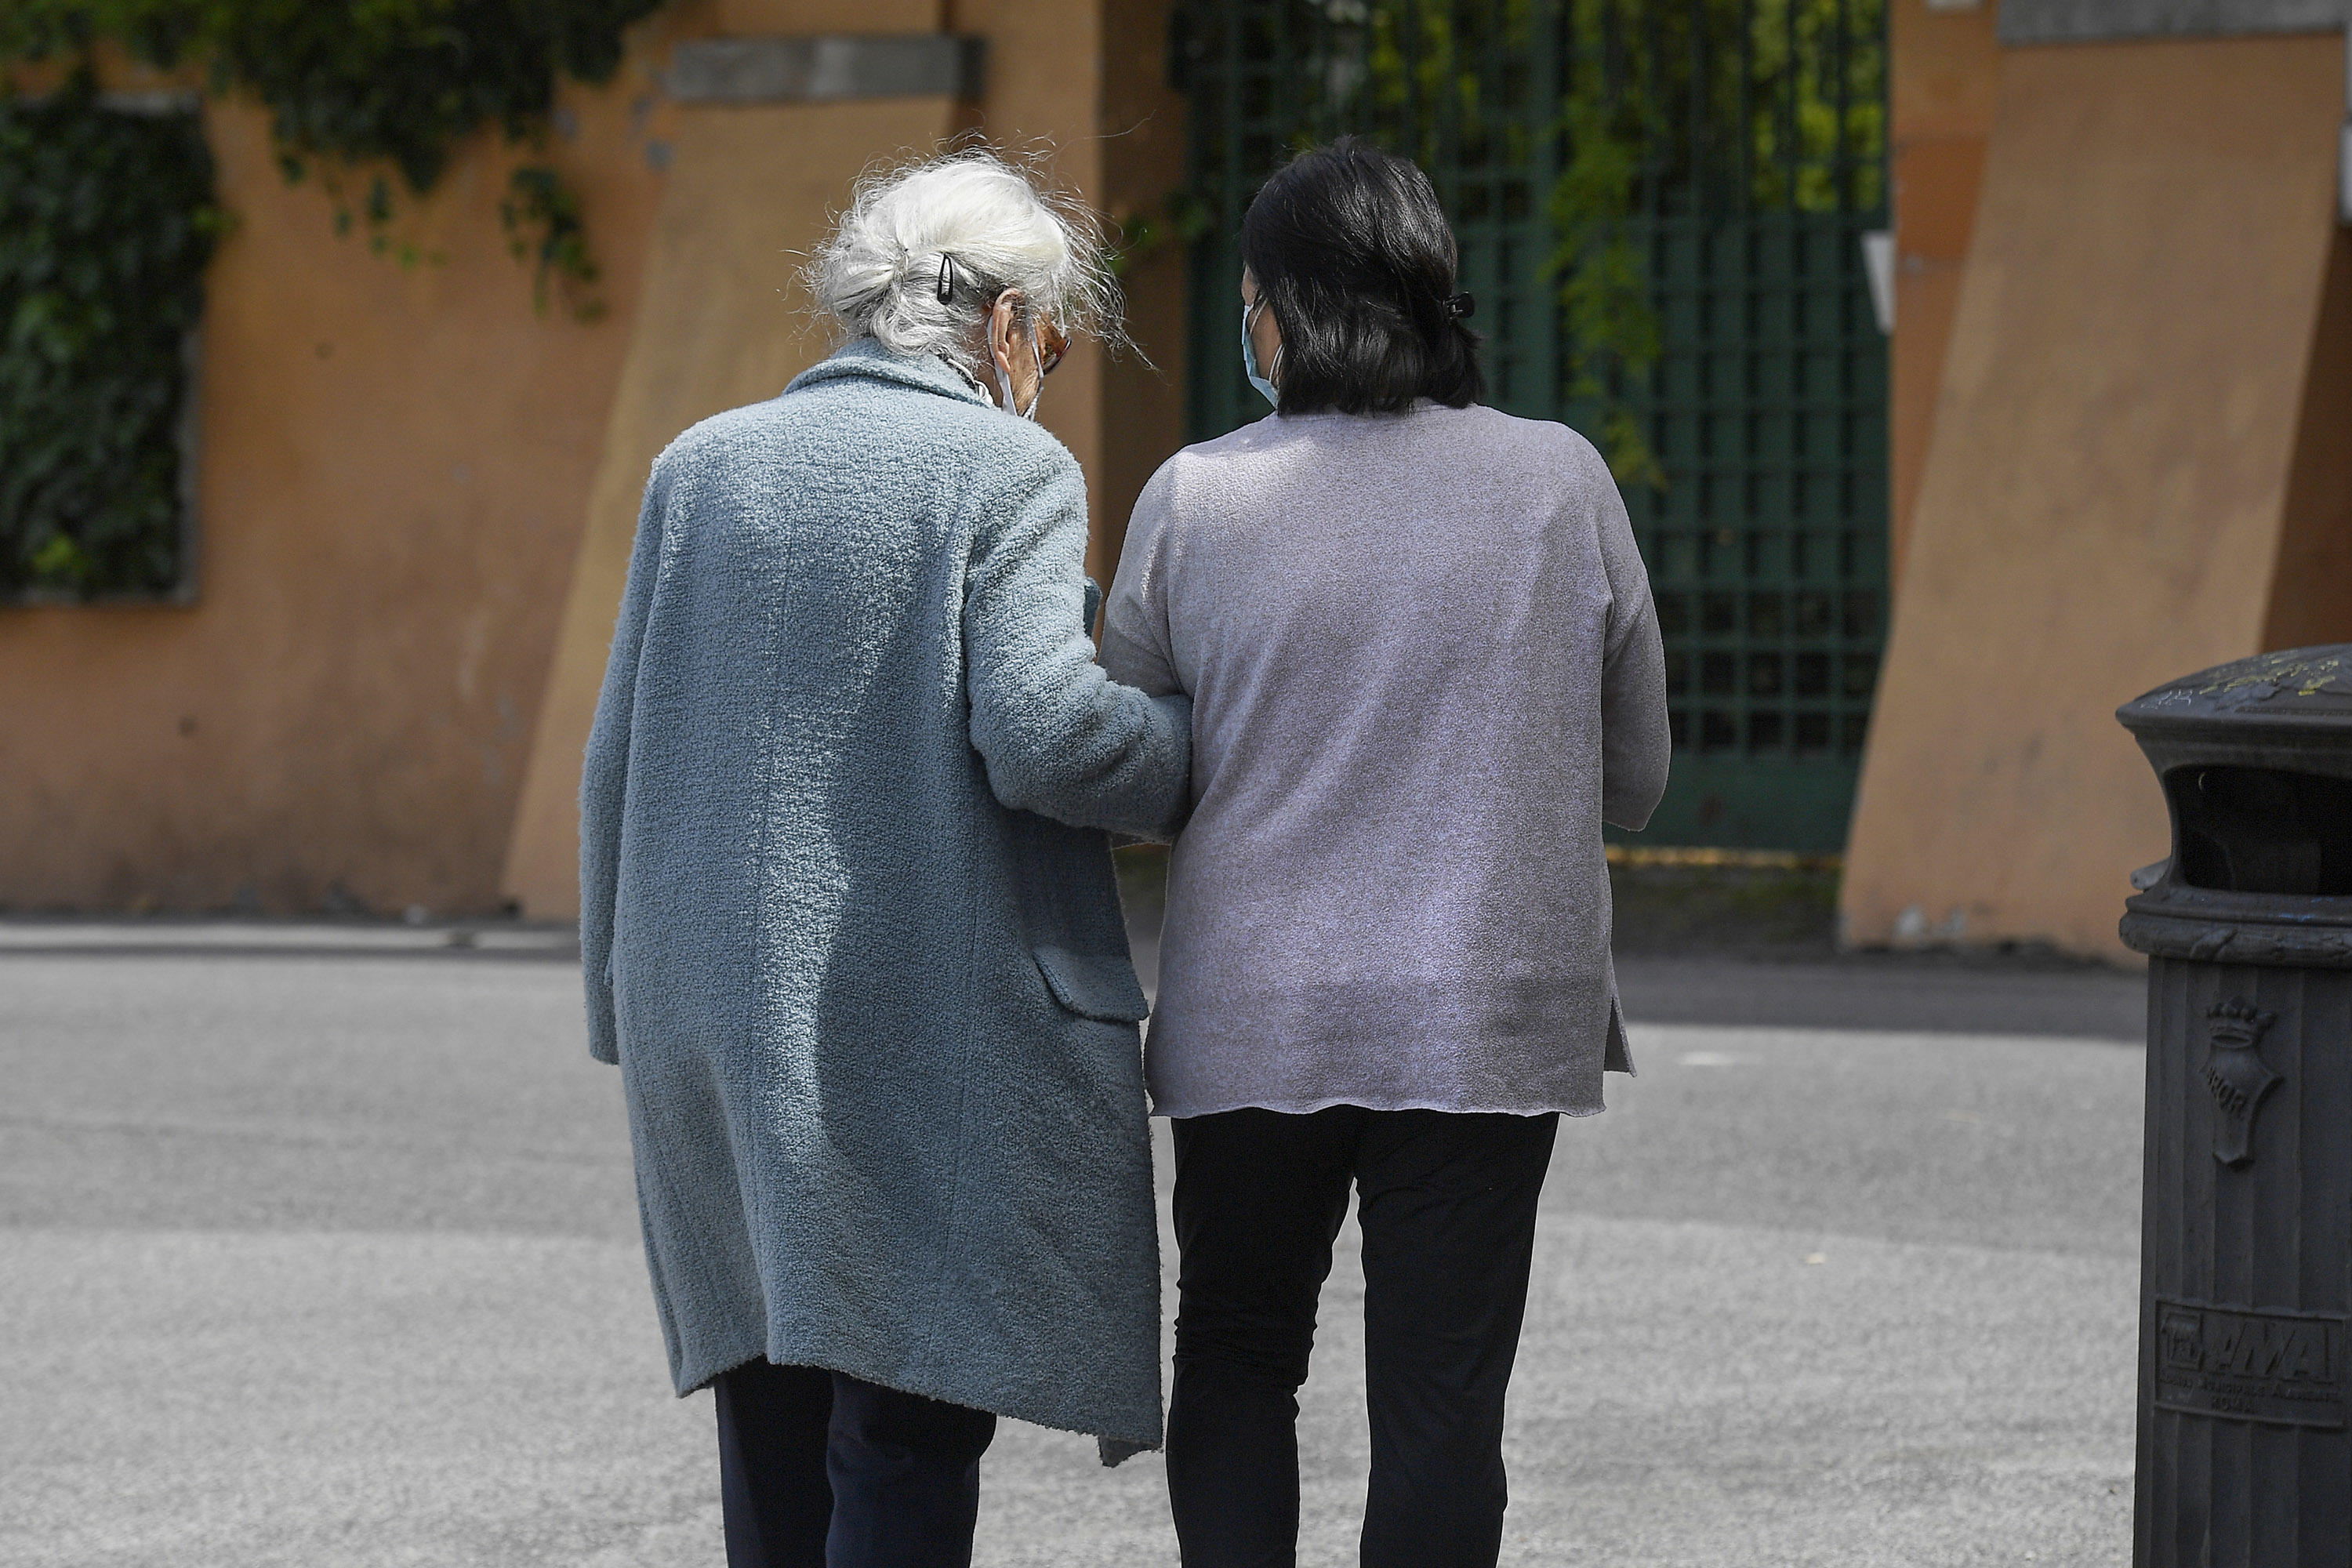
point(2255, 761)
point(2262, 699)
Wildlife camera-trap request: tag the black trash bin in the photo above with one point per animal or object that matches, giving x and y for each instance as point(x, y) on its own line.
point(2246, 1460)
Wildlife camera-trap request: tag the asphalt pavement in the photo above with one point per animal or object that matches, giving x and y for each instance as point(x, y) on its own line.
point(319, 1252)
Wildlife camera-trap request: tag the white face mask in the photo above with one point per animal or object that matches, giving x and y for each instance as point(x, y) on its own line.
point(1004, 383)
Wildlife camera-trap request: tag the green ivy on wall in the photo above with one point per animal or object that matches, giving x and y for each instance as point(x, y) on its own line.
point(354, 83)
point(1803, 114)
point(106, 222)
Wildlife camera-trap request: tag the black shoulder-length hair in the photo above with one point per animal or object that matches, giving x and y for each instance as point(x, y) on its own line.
point(1352, 254)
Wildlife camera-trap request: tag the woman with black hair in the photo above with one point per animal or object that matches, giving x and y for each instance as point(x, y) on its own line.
point(1425, 669)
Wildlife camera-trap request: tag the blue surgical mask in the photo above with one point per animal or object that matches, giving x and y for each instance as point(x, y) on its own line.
point(1266, 389)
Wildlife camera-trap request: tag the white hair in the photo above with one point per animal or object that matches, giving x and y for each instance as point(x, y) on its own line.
point(969, 224)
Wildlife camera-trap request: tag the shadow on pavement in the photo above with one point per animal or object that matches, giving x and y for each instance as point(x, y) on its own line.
point(1891, 991)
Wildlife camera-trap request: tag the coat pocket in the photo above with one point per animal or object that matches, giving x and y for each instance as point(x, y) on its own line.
point(1094, 984)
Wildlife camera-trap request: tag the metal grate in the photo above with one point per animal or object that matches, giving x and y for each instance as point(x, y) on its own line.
point(1760, 168)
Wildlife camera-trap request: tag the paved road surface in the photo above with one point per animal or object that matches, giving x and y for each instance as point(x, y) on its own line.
point(327, 1257)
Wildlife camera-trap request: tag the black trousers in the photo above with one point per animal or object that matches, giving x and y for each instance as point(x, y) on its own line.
point(818, 1469)
point(1448, 1209)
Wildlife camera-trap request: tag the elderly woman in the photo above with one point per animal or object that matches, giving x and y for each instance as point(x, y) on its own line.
point(1425, 669)
point(848, 913)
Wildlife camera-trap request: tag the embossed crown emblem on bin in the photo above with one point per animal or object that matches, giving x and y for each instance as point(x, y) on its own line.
point(2236, 1076)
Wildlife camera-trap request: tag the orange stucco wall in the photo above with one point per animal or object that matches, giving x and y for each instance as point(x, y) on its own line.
point(1143, 125)
point(1944, 65)
point(1044, 96)
point(720, 324)
point(417, 491)
point(2311, 591)
point(395, 465)
point(2109, 496)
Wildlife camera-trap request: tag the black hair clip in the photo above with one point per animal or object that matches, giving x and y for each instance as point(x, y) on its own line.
point(1460, 305)
point(947, 278)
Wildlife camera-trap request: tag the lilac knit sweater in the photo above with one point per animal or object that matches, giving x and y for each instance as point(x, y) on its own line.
point(1424, 667)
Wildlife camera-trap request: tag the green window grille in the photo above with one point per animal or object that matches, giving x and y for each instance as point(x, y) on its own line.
point(1721, 162)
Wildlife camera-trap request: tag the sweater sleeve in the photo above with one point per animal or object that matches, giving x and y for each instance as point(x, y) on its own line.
point(604, 776)
point(1136, 648)
point(1635, 743)
point(1059, 737)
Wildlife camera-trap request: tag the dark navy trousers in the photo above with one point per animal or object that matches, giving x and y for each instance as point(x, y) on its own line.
point(1447, 1203)
point(819, 1469)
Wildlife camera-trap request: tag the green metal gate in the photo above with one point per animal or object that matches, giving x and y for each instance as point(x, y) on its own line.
point(1661, 206)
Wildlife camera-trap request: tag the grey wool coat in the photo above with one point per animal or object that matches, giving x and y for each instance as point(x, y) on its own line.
point(847, 911)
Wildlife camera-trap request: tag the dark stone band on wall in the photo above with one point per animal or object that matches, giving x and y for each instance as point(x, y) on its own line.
point(825, 69)
point(2090, 21)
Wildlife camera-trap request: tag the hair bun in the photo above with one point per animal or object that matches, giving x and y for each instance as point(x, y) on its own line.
point(1460, 305)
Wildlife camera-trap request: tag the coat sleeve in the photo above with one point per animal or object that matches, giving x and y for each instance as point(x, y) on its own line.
point(1635, 742)
point(1059, 737)
point(604, 777)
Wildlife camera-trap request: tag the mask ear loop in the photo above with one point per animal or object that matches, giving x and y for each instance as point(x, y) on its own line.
point(947, 286)
point(1274, 369)
point(1037, 354)
point(947, 283)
